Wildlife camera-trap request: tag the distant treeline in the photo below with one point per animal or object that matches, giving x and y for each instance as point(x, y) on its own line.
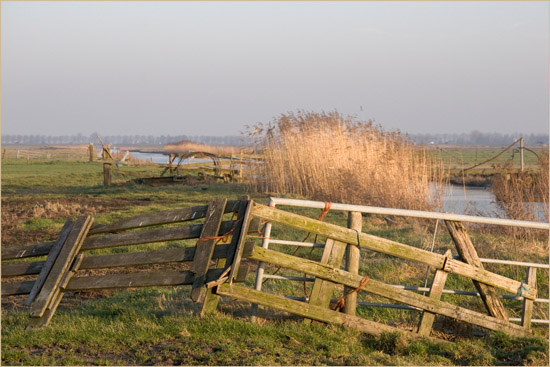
point(122, 139)
point(472, 138)
point(478, 138)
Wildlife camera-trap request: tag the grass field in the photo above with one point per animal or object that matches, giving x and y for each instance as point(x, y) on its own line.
point(158, 326)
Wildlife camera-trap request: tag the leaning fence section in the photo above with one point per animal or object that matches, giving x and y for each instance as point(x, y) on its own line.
point(68, 256)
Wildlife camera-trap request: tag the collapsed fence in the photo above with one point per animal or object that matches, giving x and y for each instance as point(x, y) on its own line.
point(216, 267)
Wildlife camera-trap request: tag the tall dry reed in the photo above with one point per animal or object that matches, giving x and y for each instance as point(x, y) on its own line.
point(326, 156)
point(524, 195)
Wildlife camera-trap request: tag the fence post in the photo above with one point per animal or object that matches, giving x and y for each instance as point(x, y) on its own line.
point(438, 284)
point(527, 312)
point(107, 174)
point(91, 152)
point(353, 255)
point(5, 153)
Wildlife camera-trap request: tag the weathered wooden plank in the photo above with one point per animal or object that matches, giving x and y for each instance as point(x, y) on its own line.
point(237, 232)
point(391, 248)
point(205, 247)
point(527, 311)
point(18, 269)
point(321, 293)
point(410, 298)
point(40, 322)
point(438, 283)
point(61, 266)
point(307, 310)
point(349, 236)
point(119, 260)
point(211, 300)
point(17, 288)
point(147, 258)
point(18, 252)
point(162, 217)
point(135, 280)
point(52, 256)
point(241, 241)
point(149, 236)
point(353, 256)
point(468, 253)
point(484, 276)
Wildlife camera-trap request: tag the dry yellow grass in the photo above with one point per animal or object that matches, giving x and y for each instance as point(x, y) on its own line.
point(325, 156)
point(524, 195)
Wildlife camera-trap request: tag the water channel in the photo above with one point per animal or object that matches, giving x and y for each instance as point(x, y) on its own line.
point(456, 199)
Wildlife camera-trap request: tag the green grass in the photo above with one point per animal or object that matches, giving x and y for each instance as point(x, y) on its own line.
point(160, 326)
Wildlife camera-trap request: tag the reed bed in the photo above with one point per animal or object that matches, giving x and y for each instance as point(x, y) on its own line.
point(325, 156)
point(524, 195)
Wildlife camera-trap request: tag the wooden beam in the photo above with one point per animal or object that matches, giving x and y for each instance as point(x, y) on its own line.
point(149, 236)
point(391, 248)
point(48, 264)
point(18, 269)
point(438, 284)
point(17, 288)
point(381, 289)
point(19, 252)
point(241, 241)
point(44, 320)
point(349, 236)
point(62, 264)
point(527, 311)
point(321, 293)
point(353, 257)
point(119, 260)
point(161, 217)
point(211, 300)
point(468, 253)
point(135, 280)
point(307, 310)
point(205, 247)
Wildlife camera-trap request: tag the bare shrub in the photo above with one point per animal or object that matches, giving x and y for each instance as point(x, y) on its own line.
point(325, 156)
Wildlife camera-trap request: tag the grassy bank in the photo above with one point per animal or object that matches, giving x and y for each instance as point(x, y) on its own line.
point(159, 325)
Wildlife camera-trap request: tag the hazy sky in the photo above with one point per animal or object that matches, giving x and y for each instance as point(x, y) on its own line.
point(201, 68)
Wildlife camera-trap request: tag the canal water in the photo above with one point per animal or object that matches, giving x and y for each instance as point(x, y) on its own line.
point(456, 199)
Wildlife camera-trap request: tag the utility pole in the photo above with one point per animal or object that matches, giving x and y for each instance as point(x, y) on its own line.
point(521, 152)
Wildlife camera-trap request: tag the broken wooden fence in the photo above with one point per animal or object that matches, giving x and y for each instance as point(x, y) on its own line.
point(459, 235)
point(66, 256)
point(328, 272)
point(59, 272)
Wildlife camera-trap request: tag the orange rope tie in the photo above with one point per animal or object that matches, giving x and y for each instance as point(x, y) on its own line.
point(328, 204)
point(223, 238)
point(342, 301)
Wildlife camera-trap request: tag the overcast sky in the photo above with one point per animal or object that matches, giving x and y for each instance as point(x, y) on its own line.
point(210, 68)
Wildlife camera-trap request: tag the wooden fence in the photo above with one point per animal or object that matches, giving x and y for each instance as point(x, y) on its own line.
point(66, 257)
point(459, 236)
